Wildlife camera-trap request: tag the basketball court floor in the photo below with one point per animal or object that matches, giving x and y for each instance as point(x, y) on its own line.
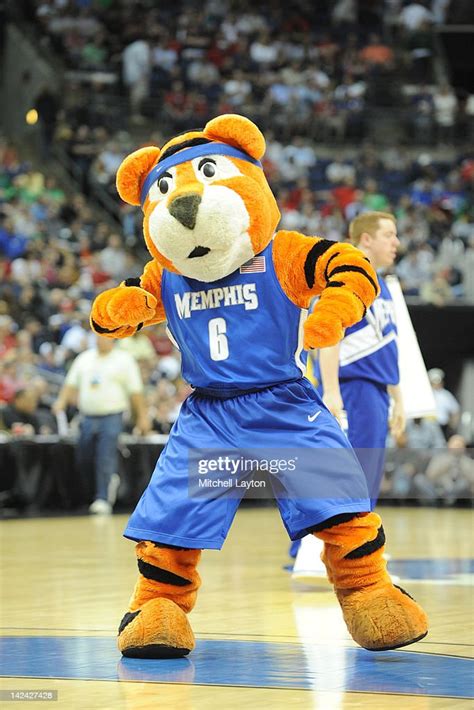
point(262, 641)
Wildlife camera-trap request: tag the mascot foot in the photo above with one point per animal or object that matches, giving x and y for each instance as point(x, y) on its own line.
point(382, 617)
point(159, 629)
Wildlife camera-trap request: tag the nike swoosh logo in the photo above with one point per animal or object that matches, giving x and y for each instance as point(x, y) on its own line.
point(312, 417)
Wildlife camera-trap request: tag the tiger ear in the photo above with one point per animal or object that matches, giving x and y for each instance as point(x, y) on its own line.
point(133, 171)
point(237, 131)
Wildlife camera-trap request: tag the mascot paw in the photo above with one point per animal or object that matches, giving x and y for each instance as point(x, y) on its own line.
point(382, 618)
point(119, 310)
point(131, 305)
point(322, 329)
point(159, 629)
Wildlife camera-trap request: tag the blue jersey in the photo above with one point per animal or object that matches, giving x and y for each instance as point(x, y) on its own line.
point(237, 333)
point(369, 348)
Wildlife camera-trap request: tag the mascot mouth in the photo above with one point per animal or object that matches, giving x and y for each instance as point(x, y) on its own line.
point(198, 251)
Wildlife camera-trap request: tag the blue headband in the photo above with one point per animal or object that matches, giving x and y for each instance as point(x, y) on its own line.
point(183, 156)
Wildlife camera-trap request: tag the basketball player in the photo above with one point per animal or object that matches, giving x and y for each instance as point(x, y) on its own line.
point(359, 375)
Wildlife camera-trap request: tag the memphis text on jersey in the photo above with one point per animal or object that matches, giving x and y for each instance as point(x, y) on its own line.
point(236, 295)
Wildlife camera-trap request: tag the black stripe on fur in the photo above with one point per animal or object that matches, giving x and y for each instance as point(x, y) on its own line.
point(403, 591)
point(133, 281)
point(129, 616)
point(184, 144)
point(338, 284)
point(357, 269)
point(99, 328)
point(161, 575)
point(363, 304)
point(337, 253)
point(368, 547)
point(331, 522)
point(312, 257)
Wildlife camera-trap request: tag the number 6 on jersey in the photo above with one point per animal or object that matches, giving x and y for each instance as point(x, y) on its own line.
point(218, 343)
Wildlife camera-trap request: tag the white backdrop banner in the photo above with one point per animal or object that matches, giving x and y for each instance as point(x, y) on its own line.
point(416, 389)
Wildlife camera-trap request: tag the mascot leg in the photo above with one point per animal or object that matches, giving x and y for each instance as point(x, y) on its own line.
point(379, 615)
point(156, 625)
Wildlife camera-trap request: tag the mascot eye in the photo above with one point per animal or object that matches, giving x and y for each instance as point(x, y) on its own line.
point(164, 184)
point(208, 168)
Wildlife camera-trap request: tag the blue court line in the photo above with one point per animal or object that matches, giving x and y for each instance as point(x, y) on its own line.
point(242, 663)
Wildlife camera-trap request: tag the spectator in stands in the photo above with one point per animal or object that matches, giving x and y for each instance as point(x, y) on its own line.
point(445, 111)
point(373, 199)
point(376, 53)
point(469, 114)
point(422, 118)
point(413, 271)
point(450, 475)
point(447, 406)
point(105, 381)
point(401, 466)
point(437, 290)
point(136, 63)
point(113, 258)
point(420, 45)
point(414, 15)
point(19, 417)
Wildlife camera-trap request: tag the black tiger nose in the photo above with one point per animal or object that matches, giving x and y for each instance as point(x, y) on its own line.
point(185, 209)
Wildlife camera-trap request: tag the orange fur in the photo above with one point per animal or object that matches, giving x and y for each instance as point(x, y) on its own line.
point(339, 306)
point(237, 131)
point(133, 171)
point(378, 615)
point(162, 606)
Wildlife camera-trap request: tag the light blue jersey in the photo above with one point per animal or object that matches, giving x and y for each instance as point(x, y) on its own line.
point(238, 333)
point(369, 349)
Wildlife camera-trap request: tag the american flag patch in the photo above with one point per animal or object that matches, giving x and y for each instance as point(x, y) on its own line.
point(254, 266)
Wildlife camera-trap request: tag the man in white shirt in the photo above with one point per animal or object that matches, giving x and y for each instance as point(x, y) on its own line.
point(103, 382)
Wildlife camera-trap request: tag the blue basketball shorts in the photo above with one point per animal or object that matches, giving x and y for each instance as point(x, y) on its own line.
point(367, 405)
point(290, 418)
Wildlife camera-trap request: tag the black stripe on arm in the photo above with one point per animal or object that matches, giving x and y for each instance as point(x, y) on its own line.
point(363, 304)
point(157, 574)
point(99, 328)
point(339, 284)
point(312, 257)
point(357, 269)
point(337, 253)
point(368, 547)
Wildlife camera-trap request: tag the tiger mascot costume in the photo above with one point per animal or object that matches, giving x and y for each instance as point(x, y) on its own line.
point(234, 294)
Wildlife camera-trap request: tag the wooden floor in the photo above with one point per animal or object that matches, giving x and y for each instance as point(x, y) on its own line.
point(262, 642)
